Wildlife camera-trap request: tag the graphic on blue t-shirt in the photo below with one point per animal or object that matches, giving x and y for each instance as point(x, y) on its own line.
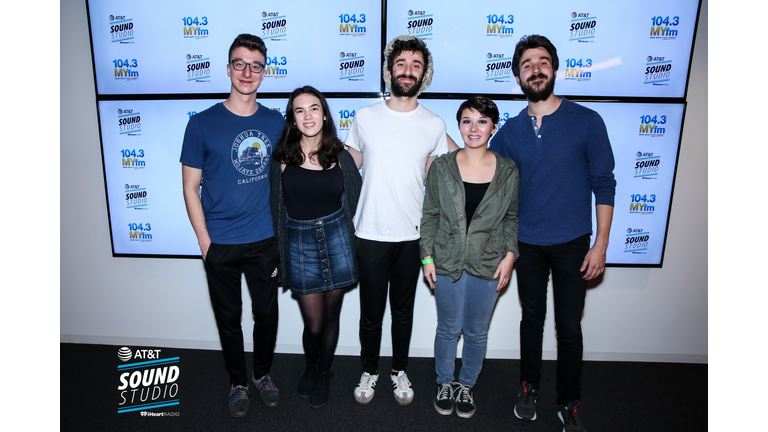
point(251, 152)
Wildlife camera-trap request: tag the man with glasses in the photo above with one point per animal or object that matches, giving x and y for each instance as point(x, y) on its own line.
point(228, 148)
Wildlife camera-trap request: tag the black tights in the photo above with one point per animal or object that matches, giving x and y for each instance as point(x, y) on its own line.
point(320, 312)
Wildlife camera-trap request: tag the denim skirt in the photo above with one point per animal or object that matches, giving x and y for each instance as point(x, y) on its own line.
point(319, 253)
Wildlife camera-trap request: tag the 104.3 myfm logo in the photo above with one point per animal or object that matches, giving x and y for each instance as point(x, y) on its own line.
point(195, 27)
point(351, 25)
point(126, 69)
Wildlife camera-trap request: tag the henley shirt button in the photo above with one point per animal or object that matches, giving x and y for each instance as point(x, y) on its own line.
point(539, 136)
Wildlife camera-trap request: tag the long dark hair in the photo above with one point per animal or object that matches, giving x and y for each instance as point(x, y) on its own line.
point(288, 150)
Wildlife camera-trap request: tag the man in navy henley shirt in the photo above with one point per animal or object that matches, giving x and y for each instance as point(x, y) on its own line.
point(564, 156)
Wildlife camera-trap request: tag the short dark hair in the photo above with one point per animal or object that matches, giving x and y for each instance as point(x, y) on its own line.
point(533, 41)
point(249, 42)
point(288, 150)
point(481, 104)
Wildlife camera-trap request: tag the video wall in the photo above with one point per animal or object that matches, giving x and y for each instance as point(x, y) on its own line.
point(158, 63)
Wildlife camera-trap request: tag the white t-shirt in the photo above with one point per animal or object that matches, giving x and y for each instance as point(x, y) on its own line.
point(395, 147)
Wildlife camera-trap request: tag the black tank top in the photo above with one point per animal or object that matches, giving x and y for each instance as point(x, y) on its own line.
point(312, 194)
point(474, 193)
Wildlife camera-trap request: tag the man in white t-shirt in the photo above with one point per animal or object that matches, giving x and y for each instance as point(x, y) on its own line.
point(395, 140)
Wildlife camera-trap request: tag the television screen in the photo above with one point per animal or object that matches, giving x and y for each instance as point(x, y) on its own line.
point(158, 63)
point(171, 47)
point(605, 48)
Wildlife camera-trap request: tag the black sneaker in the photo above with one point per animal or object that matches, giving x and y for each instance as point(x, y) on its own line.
point(268, 391)
point(306, 383)
point(525, 408)
point(322, 389)
point(238, 401)
point(571, 418)
point(444, 399)
point(465, 401)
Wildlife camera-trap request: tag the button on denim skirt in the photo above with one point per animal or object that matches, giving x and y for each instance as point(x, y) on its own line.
point(319, 253)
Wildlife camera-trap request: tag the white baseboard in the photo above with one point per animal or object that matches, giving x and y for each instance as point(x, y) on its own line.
point(385, 351)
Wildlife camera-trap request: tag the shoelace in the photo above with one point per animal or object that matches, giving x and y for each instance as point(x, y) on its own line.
point(573, 415)
point(324, 380)
point(464, 394)
point(366, 383)
point(240, 393)
point(445, 392)
point(526, 394)
point(266, 384)
point(402, 382)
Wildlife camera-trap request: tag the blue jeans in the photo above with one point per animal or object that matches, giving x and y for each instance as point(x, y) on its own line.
point(466, 304)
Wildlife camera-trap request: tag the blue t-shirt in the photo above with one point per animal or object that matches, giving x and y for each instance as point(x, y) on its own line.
point(561, 165)
point(234, 154)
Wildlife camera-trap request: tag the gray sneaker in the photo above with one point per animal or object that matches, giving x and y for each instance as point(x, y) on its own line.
point(366, 388)
point(238, 401)
point(268, 392)
point(444, 399)
point(401, 386)
point(525, 408)
point(571, 418)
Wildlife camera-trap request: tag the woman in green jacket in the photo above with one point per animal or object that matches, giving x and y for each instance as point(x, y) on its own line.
point(468, 248)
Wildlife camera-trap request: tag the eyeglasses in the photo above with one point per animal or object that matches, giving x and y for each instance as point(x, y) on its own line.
point(240, 65)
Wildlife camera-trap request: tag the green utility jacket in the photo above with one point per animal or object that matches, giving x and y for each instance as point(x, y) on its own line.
point(493, 228)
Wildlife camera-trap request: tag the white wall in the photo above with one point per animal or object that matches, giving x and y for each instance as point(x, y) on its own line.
point(635, 314)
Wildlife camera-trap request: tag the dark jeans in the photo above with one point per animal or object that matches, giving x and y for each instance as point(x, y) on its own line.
point(224, 267)
point(569, 290)
point(393, 265)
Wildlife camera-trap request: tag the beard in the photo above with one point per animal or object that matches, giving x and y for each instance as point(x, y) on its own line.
point(399, 90)
point(534, 95)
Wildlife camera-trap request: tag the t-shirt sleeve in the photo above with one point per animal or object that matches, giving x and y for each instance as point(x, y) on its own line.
point(192, 151)
point(353, 139)
point(441, 145)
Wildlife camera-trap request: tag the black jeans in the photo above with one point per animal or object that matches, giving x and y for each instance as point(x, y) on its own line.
point(393, 265)
point(569, 291)
point(224, 267)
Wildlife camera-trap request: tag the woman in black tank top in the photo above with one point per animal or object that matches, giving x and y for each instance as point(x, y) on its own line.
point(315, 186)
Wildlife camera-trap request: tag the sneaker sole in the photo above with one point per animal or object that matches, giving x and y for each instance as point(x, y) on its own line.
point(404, 402)
point(363, 400)
point(318, 406)
point(560, 415)
point(525, 418)
point(465, 415)
point(442, 411)
point(236, 414)
point(271, 405)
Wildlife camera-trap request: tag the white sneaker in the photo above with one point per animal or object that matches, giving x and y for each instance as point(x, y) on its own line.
point(366, 388)
point(402, 388)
